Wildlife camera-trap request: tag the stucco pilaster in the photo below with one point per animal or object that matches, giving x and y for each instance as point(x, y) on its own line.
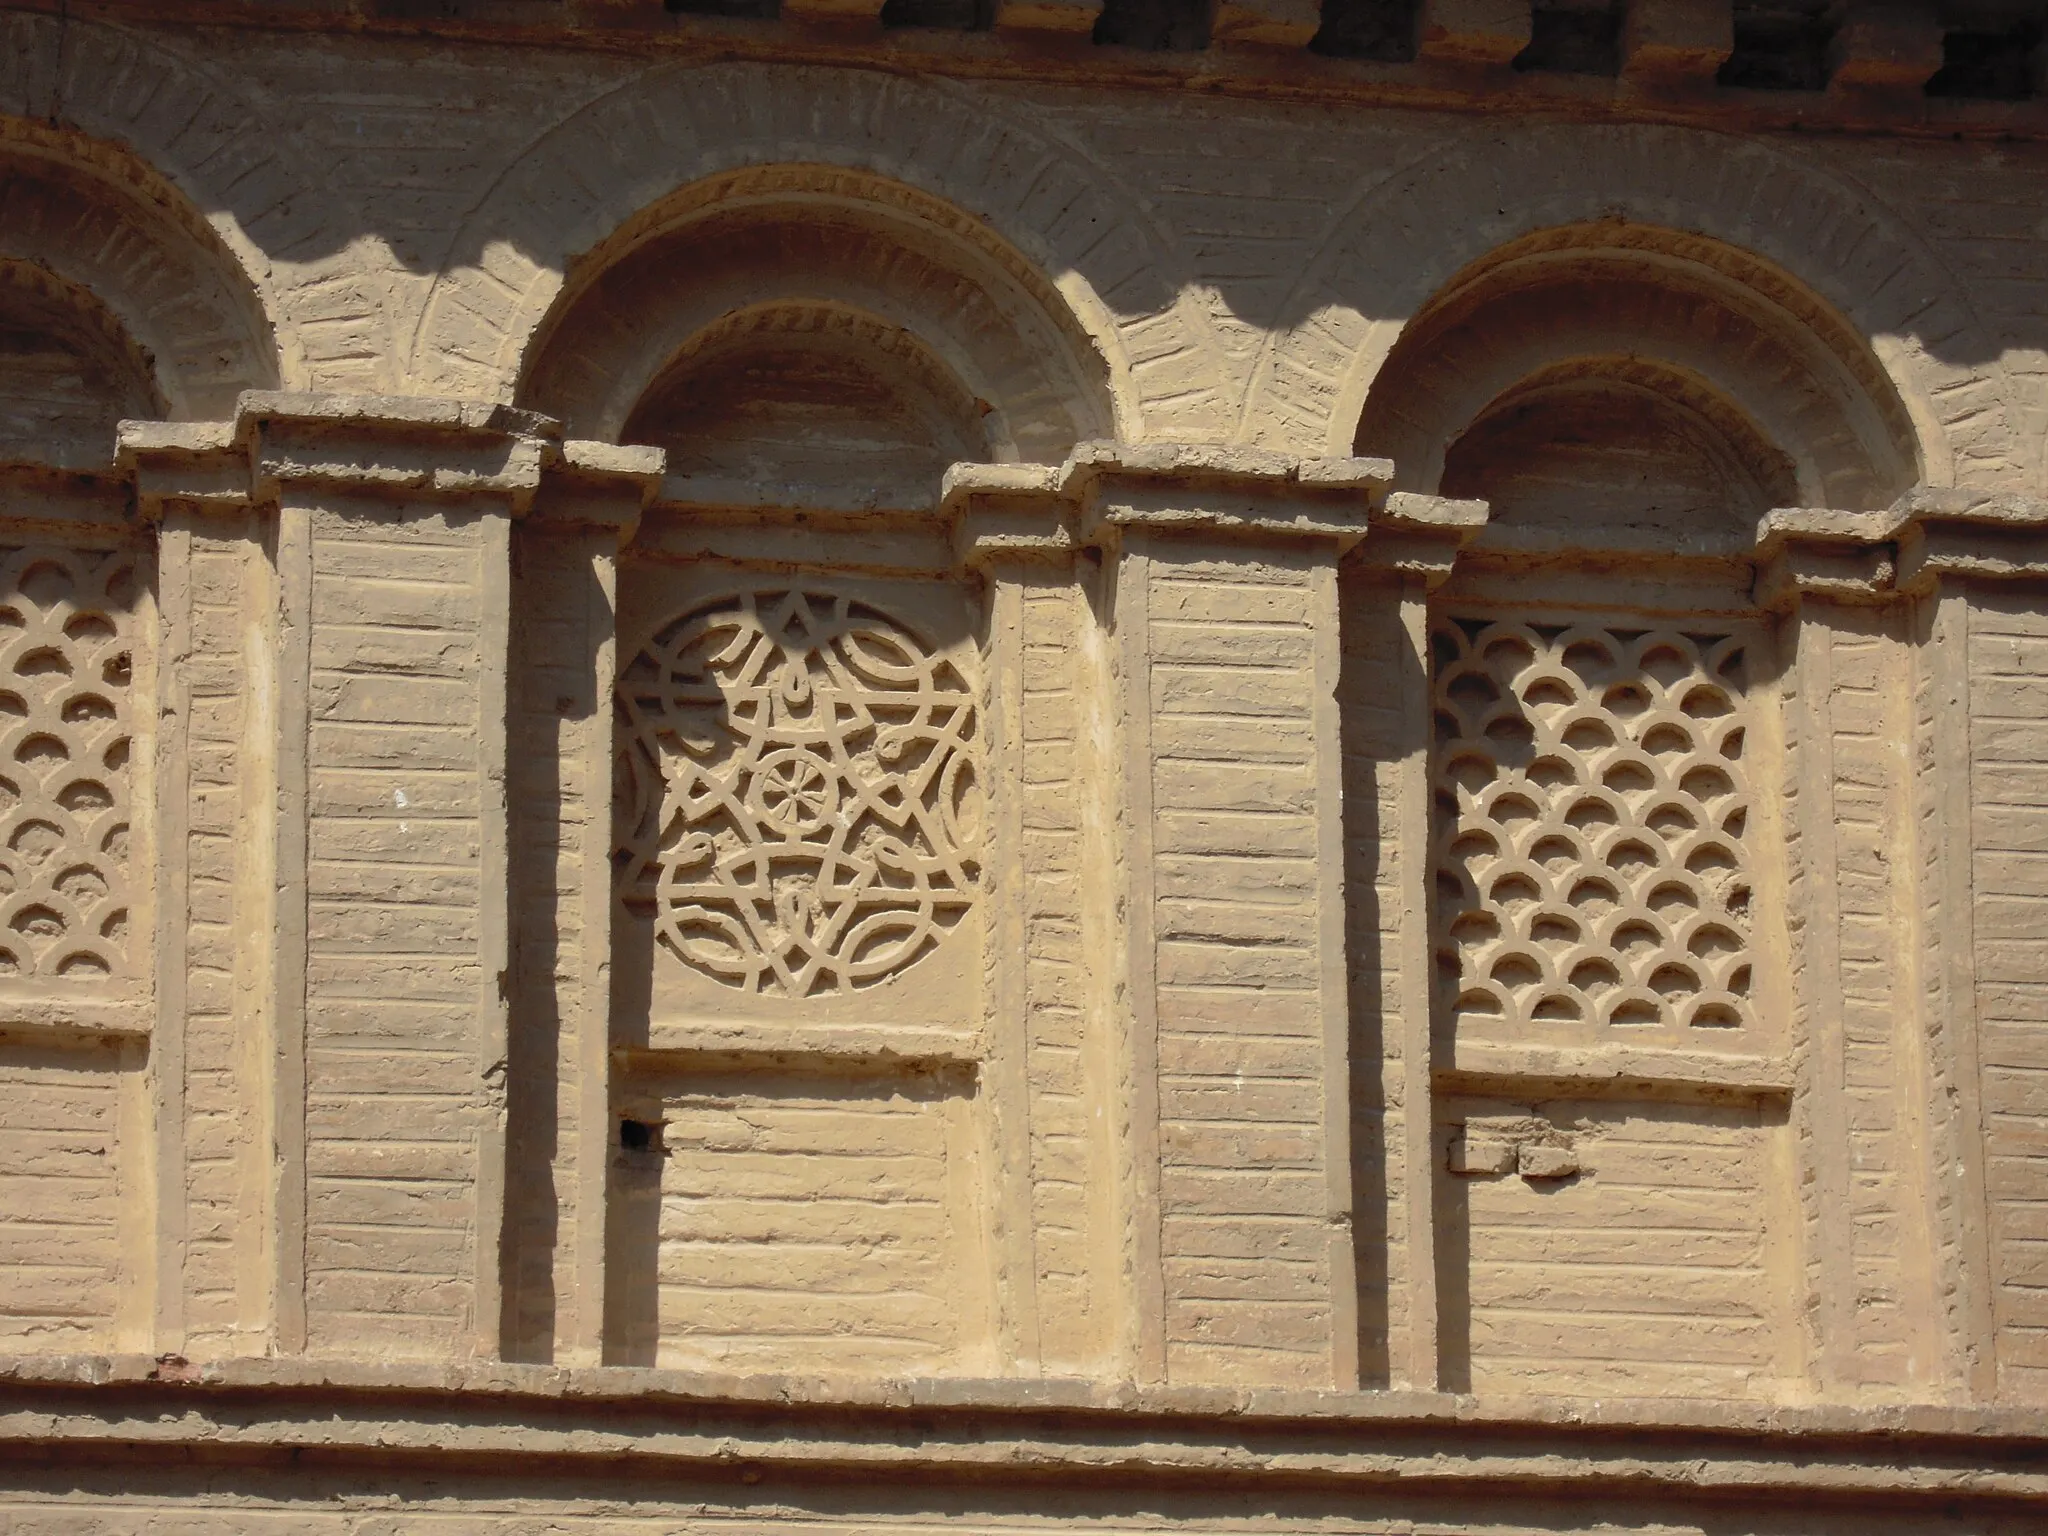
point(372, 713)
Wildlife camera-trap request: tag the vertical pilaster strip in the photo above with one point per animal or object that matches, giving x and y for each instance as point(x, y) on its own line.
point(1007, 1021)
point(1882, 1104)
point(494, 959)
point(256, 649)
point(1415, 1356)
point(171, 926)
point(1068, 1062)
point(1238, 829)
point(1919, 1235)
point(1821, 1104)
point(1139, 1013)
point(564, 632)
point(1097, 789)
point(287, 1006)
point(559, 884)
point(587, 1021)
point(1332, 964)
point(1969, 1281)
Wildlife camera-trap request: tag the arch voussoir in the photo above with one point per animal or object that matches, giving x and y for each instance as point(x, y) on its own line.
point(574, 191)
point(1418, 228)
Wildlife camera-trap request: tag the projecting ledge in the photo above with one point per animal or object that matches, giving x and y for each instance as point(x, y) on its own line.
point(1220, 490)
point(1907, 548)
point(1535, 1068)
point(848, 1045)
point(77, 1015)
point(546, 1420)
point(389, 446)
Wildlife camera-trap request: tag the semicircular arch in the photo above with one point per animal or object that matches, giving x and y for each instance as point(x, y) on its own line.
point(1723, 334)
point(797, 240)
point(173, 292)
point(174, 145)
point(1409, 235)
point(590, 181)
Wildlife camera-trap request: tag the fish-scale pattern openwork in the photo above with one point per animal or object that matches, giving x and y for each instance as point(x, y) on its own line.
point(66, 662)
point(1591, 809)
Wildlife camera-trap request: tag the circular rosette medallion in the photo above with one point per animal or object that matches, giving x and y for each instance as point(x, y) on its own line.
point(798, 793)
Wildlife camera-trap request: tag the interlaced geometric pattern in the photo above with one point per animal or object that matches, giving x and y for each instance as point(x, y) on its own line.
point(1591, 807)
point(66, 660)
point(798, 794)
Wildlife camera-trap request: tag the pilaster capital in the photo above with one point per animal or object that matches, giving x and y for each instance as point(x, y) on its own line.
point(601, 487)
point(1231, 492)
point(1104, 490)
point(1845, 557)
point(1906, 549)
point(407, 446)
point(1984, 535)
point(1420, 536)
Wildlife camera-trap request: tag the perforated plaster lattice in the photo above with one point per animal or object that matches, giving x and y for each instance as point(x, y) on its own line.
point(1591, 816)
point(66, 661)
point(798, 791)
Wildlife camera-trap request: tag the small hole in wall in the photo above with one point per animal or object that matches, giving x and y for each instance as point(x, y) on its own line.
point(635, 1135)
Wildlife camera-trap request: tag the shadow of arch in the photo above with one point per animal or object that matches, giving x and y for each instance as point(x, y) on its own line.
point(1620, 376)
point(1410, 234)
point(592, 178)
point(808, 322)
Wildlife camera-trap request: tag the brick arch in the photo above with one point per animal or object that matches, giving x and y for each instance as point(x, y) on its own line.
point(123, 120)
point(1407, 236)
point(804, 237)
point(593, 175)
point(1594, 298)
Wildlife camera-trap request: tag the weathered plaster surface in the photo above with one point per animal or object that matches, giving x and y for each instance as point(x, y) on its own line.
point(740, 801)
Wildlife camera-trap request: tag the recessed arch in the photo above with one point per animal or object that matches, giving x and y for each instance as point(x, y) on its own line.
point(784, 398)
point(117, 275)
point(173, 137)
point(787, 282)
point(69, 371)
point(1409, 231)
point(1675, 380)
point(1005, 181)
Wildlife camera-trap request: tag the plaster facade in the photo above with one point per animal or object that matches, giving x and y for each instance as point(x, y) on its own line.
point(1061, 769)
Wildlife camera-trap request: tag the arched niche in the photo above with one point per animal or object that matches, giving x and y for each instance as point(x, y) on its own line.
point(69, 372)
point(1618, 385)
point(116, 301)
point(795, 395)
point(803, 324)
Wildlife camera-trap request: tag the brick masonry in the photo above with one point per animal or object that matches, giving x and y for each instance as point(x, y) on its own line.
point(1130, 1157)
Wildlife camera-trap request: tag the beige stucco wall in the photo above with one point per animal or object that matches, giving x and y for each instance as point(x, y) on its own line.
point(440, 1126)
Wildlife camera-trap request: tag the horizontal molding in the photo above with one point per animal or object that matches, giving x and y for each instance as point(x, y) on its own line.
point(50, 1010)
point(1617, 1066)
point(1253, 47)
point(688, 1043)
point(569, 1422)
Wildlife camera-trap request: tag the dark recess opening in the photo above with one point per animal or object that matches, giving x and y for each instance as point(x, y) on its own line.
point(1380, 30)
point(1988, 66)
point(948, 15)
point(1179, 26)
point(1780, 45)
point(1569, 37)
point(746, 10)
